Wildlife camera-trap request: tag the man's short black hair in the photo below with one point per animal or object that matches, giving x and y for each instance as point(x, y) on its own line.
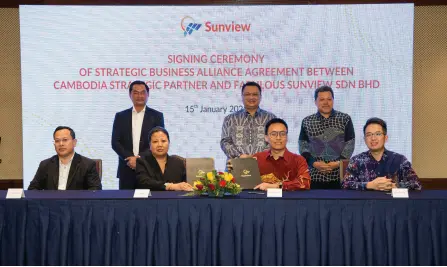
point(322, 89)
point(275, 120)
point(72, 133)
point(375, 120)
point(138, 82)
point(157, 129)
point(251, 84)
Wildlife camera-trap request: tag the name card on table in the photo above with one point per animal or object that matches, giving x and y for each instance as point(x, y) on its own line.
point(274, 192)
point(142, 193)
point(15, 193)
point(399, 192)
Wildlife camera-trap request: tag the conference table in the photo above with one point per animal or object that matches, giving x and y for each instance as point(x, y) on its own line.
point(316, 227)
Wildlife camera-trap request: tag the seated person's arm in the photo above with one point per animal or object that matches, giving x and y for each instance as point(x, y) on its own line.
point(355, 180)
point(39, 180)
point(146, 177)
point(92, 178)
point(409, 177)
point(182, 186)
point(352, 178)
point(302, 180)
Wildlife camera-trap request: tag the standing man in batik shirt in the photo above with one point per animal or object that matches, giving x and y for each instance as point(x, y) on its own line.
point(326, 137)
point(379, 168)
point(243, 130)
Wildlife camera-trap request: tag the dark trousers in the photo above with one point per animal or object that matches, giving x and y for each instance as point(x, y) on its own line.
point(325, 185)
point(128, 183)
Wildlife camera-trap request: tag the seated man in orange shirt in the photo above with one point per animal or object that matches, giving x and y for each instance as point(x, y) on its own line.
point(280, 168)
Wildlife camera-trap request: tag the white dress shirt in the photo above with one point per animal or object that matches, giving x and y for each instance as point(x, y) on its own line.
point(137, 124)
point(64, 170)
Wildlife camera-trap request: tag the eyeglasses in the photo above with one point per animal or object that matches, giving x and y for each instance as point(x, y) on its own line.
point(370, 135)
point(252, 94)
point(275, 134)
point(63, 141)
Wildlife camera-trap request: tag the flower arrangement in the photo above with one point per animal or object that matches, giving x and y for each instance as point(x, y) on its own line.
point(216, 184)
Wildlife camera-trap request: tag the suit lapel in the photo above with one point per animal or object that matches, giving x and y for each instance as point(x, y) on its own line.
point(145, 128)
point(153, 167)
point(128, 121)
point(53, 171)
point(73, 169)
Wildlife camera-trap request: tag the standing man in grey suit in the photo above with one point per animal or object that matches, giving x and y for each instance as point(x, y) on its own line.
point(130, 133)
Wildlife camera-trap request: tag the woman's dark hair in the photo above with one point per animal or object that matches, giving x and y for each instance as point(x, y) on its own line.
point(157, 129)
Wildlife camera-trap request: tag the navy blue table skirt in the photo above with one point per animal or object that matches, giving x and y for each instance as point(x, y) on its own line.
point(302, 228)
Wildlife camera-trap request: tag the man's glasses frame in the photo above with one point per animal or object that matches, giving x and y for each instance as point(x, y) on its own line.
point(376, 134)
point(275, 134)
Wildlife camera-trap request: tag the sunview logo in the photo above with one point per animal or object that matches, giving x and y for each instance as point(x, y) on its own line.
point(188, 26)
point(230, 27)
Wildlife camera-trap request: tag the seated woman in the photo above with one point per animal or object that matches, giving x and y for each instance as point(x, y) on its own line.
point(156, 170)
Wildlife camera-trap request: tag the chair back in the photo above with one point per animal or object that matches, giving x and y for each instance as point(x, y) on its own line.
point(98, 163)
point(180, 158)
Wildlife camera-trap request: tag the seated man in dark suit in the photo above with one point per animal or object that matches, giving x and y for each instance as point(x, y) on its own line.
point(67, 170)
point(156, 170)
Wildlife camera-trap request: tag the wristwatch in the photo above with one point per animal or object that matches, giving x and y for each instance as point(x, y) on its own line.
point(280, 184)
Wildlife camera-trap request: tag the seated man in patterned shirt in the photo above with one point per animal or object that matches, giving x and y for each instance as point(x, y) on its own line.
point(243, 130)
point(379, 168)
point(279, 168)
